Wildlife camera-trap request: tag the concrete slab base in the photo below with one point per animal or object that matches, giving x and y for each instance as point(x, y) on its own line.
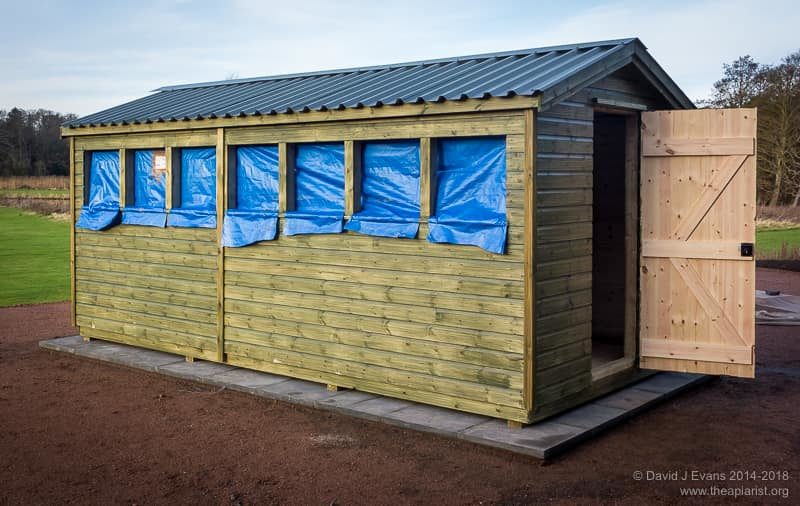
point(543, 440)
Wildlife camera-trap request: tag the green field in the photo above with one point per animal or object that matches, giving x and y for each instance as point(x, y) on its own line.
point(770, 243)
point(34, 255)
point(34, 192)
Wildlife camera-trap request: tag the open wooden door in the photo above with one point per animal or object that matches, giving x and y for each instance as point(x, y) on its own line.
point(698, 205)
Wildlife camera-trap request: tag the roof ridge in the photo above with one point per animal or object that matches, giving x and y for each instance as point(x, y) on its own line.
point(481, 56)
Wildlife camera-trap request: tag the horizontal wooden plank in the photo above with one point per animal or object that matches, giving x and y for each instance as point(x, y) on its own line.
point(301, 319)
point(563, 268)
point(698, 367)
point(186, 234)
point(351, 241)
point(568, 110)
point(563, 250)
point(563, 336)
point(383, 261)
point(313, 306)
point(550, 323)
point(472, 351)
point(481, 375)
point(708, 352)
point(433, 282)
point(384, 388)
point(564, 285)
point(562, 163)
point(563, 302)
point(145, 256)
point(146, 281)
point(148, 243)
point(549, 394)
point(128, 291)
point(145, 269)
point(405, 379)
point(566, 146)
point(552, 180)
point(547, 125)
point(237, 282)
point(150, 308)
point(567, 197)
point(154, 339)
point(719, 250)
point(191, 329)
point(564, 369)
point(566, 232)
point(146, 141)
point(548, 216)
point(673, 146)
point(443, 126)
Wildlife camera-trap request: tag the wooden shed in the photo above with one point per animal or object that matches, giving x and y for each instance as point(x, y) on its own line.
point(508, 234)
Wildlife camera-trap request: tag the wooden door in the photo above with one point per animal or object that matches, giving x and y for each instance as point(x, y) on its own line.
point(697, 272)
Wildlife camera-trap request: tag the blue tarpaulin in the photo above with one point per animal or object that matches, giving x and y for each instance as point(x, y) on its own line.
point(389, 190)
point(255, 216)
point(470, 193)
point(319, 190)
point(198, 197)
point(101, 209)
point(149, 191)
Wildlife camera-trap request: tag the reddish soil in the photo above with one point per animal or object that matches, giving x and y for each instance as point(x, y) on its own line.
point(80, 432)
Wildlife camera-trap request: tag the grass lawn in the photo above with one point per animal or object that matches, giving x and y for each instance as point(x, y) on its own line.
point(771, 241)
point(34, 255)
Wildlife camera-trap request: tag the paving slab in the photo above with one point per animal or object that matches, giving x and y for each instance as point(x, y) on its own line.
point(197, 370)
point(433, 419)
point(543, 440)
point(246, 380)
point(380, 406)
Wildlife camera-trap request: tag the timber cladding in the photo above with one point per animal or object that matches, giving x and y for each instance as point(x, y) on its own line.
point(435, 323)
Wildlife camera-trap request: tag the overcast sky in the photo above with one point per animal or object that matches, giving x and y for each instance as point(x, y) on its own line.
point(84, 56)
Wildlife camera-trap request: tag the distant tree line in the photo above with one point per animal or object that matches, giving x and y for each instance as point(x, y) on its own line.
point(31, 144)
point(775, 90)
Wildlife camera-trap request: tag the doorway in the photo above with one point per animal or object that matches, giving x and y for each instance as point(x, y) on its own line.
point(614, 242)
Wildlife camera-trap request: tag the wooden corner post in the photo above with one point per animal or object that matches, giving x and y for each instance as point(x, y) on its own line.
point(222, 201)
point(72, 312)
point(528, 261)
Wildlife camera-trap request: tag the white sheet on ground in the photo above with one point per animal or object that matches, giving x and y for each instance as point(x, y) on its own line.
point(777, 309)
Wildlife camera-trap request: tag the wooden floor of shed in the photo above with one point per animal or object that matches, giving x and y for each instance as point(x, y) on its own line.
point(543, 440)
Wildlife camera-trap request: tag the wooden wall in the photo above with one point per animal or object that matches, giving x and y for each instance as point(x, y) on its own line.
point(435, 323)
point(563, 240)
point(146, 286)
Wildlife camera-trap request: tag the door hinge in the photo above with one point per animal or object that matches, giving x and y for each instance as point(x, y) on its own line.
point(746, 249)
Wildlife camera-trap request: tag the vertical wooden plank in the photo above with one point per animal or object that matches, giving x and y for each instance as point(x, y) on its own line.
point(425, 178)
point(528, 260)
point(222, 184)
point(352, 178)
point(285, 177)
point(631, 235)
point(122, 177)
point(72, 316)
point(168, 195)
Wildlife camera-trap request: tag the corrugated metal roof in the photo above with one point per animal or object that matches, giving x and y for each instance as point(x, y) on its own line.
point(525, 72)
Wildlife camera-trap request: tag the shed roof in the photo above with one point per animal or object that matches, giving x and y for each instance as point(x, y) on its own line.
point(551, 72)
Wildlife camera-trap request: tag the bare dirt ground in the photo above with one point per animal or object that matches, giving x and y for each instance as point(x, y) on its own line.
point(73, 431)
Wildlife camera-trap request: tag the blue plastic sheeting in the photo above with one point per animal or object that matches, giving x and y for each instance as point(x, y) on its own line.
point(389, 190)
point(198, 206)
point(101, 209)
point(471, 193)
point(150, 193)
point(255, 217)
point(319, 190)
